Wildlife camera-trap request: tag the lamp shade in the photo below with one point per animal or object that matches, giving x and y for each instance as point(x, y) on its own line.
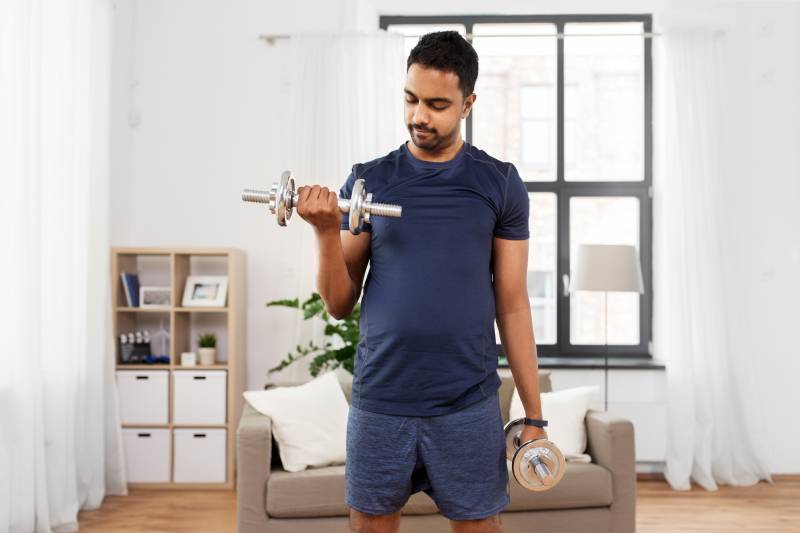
point(607, 267)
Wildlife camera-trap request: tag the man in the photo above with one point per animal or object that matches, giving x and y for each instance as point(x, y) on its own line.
point(424, 411)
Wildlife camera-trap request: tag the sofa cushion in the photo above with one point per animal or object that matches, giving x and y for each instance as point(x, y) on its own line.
point(317, 492)
point(309, 421)
point(565, 411)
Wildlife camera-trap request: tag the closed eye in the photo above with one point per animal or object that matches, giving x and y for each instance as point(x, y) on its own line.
point(414, 101)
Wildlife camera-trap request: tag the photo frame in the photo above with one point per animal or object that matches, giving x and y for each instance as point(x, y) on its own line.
point(205, 291)
point(155, 297)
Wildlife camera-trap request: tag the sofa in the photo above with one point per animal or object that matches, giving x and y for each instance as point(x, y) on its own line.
point(596, 497)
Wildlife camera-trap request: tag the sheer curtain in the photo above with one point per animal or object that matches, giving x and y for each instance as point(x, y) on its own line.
point(59, 433)
point(346, 101)
point(710, 426)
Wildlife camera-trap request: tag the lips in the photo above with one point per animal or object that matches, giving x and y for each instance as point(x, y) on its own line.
point(420, 132)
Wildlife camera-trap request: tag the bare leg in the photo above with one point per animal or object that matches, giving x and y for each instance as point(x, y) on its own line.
point(370, 523)
point(491, 524)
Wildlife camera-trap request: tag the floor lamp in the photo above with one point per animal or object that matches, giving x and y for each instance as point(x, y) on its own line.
point(606, 268)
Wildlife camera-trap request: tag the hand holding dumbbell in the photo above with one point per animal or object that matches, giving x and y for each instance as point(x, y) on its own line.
point(538, 464)
point(319, 206)
point(282, 199)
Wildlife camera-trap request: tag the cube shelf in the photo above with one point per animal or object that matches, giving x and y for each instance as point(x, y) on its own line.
point(179, 421)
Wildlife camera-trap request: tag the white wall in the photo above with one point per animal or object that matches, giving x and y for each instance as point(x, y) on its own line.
point(208, 96)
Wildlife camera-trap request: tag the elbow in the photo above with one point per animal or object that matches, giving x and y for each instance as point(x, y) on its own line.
point(336, 313)
point(332, 311)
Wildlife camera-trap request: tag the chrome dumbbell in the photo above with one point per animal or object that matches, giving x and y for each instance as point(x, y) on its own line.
point(282, 199)
point(538, 464)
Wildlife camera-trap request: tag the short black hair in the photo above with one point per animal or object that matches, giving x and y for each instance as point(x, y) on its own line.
point(448, 51)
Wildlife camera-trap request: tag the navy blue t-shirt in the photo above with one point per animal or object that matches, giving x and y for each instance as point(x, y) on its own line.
point(427, 312)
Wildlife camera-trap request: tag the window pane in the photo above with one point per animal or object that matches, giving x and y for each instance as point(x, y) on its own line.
point(542, 267)
point(413, 32)
point(603, 220)
point(604, 101)
point(515, 113)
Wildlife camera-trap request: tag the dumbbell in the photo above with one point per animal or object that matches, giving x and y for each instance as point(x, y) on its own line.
point(282, 199)
point(537, 464)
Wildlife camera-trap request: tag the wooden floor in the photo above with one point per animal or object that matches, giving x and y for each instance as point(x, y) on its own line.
point(760, 508)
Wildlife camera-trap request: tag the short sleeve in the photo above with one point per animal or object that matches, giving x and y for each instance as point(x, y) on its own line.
point(345, 192)
point(514, 215)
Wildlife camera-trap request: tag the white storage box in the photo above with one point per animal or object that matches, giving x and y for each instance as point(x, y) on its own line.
point(143, 396)
point(199, 397)
point(199, 455)
point(146, 454)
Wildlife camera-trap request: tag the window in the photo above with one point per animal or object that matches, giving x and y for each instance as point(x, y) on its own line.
point(567, 99)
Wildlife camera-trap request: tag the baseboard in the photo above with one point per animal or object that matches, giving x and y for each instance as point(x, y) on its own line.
point(659, 476)
point(650, 476)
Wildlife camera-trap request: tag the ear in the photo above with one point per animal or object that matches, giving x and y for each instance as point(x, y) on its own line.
point(468, 103)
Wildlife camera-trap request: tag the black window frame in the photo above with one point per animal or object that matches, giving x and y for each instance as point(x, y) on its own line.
point(565, 190)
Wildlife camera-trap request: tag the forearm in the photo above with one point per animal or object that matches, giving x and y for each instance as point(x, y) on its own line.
point(516, 335)
point(334, 283)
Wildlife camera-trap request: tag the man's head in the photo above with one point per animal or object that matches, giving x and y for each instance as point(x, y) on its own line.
point(440, 79)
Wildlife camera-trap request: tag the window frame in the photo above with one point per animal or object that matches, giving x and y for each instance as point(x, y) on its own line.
point(565, 190)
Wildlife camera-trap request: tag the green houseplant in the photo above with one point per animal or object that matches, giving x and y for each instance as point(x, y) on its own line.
point(325, 358)
point(207, 348)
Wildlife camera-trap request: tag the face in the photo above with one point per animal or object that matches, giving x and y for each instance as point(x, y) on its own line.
point(434, 107)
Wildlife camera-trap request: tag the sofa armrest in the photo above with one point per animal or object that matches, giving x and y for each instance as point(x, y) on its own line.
point(253, 463)
point(610, 443)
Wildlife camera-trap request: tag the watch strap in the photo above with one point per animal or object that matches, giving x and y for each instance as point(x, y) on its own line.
point(534, 422)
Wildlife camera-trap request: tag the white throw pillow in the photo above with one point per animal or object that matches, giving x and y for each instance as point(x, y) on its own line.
point(564, 411)
point(309, 421)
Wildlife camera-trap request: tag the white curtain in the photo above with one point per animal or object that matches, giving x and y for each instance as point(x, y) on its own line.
point(346, 100)
point(711, 416)
point(59, 432)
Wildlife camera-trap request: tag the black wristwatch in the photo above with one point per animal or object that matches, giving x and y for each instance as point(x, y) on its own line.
point(535, 422)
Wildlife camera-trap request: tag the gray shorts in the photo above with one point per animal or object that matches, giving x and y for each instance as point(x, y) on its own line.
point(458, 459)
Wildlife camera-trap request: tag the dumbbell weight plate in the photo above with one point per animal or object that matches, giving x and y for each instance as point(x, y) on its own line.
point(357, 199)
point(521, 467)
point(524, 465)
point(282, 193)
point(513, 431)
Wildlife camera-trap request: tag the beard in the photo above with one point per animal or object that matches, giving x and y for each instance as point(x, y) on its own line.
point(429, 140)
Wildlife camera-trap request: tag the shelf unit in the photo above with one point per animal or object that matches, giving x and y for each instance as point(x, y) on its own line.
point(170, 266)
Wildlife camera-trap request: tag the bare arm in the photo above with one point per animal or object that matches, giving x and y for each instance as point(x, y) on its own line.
point(343, 259)
point(513, 310)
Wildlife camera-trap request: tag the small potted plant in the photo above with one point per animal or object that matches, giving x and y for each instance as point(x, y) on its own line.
point(207, 348)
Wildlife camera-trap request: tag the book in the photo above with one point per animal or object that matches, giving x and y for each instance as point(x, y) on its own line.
point(130, 283)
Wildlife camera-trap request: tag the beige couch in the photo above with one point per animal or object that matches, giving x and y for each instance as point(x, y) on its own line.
point(592, 497)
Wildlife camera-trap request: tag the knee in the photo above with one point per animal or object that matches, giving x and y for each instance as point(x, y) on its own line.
point(369, 523)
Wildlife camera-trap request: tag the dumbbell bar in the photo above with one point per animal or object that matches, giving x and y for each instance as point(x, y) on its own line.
point(538, 464)
point(282, 199)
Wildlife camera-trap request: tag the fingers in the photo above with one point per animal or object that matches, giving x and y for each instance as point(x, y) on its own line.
point(315, 199)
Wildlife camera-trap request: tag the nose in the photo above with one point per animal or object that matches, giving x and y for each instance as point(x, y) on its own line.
point(420, 117)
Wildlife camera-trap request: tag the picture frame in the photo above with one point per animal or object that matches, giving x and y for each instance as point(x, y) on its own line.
point(155, 297)
point(205, 291)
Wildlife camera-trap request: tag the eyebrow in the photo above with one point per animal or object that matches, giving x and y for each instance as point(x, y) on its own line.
point(431, 100)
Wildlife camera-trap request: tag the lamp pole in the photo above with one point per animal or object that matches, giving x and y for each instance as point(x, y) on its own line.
point(605, 316)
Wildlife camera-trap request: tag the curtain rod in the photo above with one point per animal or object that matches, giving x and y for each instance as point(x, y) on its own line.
point(271, 38)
